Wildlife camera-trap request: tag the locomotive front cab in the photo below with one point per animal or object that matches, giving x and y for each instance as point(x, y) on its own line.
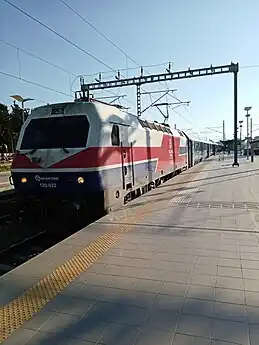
point(48, 149)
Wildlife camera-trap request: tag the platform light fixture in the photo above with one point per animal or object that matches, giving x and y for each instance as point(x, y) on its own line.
point(22, 100)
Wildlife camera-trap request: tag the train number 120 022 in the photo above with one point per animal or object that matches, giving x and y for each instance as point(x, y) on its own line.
point(48, 185)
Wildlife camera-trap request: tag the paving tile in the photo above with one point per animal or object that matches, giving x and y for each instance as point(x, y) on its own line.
point(162, 319)
point(184, 258)
point(141, 254)
point(164, 257)
point(203, 279)
point(229, 283)
point(249, 249)
point(149, 273)
point(206, 261)
point(251, 274)
point(219, 342)
point(230, 331)
point(19, 337)
point(38, 320)
point(250, 256)
point(95, 279)
point(228, 254)
point(140, 299)
point(183, 339)
point(201, 292)
point(180, 249)
point(194, 325)
point(91, 292)
point(251, 285)
point(89, 329)
point(198, 307)
point(52, 338)
point(73, 288)
point(166, 302)
point(67, 341)
point(230, 272)
point(161, 265)
point(147, 285)
point(229, 262)
point(252, 298)
point(112, 295)
point(122, 313)
point(175, 289)
point(122, 282)
point(134, 272)
point(208, 253)
point(58, 322)
point(205, 269)
point(250, 264)
point(44, 338)
point(253, 315)
point(95, 267)
point(115, 260)
point(149, 336)
point(227, 311)
point(254, 334)
point(69, 305)
point(116, 333)
point(182, 266)
point(230, 296)
point(231, 248)
point(177, 277)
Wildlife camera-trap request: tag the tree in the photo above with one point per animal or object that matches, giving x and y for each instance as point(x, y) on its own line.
point(4, 129)
point(10, 126)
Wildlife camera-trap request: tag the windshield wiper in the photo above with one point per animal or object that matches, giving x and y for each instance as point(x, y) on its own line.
point(65, 150)
point(33, 151)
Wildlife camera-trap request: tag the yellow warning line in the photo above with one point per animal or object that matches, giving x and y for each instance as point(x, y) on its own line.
point(21, 309)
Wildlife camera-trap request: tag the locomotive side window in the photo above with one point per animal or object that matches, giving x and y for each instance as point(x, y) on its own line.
point(115, 135)
point(56, 132)
point(182, 150)
point(143, 123)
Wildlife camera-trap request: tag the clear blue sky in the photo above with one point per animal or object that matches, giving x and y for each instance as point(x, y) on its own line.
point(193, 33)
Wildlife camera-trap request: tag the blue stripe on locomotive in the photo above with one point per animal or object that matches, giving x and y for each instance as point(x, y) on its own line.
point(66, 183)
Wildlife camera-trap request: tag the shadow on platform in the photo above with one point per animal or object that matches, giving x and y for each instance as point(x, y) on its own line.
point(127, 318)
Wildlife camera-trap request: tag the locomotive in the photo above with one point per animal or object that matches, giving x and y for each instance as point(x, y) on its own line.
point(97, 156)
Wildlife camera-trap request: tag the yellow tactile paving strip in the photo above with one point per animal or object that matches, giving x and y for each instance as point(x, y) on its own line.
point(21, 309)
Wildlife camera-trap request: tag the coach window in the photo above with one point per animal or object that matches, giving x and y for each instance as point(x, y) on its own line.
point(115, 136)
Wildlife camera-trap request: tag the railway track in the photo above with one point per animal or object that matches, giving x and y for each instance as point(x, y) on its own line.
point(39, 237)
point(8, 205)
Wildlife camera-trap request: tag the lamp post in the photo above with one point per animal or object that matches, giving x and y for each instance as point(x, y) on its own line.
point(240, 126)
point(21, 100)
point(247, 133)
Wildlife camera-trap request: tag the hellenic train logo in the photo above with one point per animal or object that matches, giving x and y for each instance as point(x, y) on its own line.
point(46, 178)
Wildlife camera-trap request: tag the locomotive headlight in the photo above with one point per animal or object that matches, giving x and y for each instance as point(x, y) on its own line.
point(80, 180)
point(23, 179)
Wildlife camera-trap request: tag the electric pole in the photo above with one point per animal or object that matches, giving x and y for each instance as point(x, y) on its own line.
point(247, 130)
point(224, 135)
point(251, 129)
point(240, 126)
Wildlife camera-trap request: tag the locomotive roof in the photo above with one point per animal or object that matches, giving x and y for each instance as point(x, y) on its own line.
point(105, 111)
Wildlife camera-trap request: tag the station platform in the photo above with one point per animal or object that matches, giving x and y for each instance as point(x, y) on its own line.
point(177, 266)
point(4, 182)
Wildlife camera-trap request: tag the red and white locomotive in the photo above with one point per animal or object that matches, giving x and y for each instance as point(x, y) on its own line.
point(97, 155)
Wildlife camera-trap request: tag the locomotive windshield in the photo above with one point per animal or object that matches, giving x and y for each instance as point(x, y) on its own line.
point(56, 132)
